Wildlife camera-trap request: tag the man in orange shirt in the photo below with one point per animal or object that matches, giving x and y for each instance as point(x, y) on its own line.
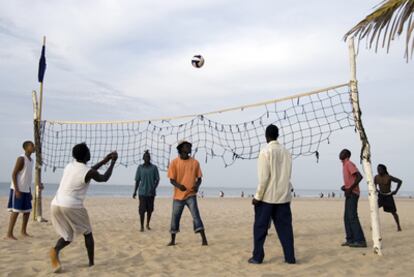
point(185, 175)
point(354, 234)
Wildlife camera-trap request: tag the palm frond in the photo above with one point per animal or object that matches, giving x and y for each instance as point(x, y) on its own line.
point(389, 20)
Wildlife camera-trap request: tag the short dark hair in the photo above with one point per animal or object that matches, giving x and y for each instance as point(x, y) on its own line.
point(180, 147)
point(80, 151)
point(383, 168)
point(272, 131)
point(346, 152)
point(27, 143)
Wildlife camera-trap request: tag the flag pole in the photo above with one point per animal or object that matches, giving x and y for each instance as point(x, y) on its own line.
point(37, 105)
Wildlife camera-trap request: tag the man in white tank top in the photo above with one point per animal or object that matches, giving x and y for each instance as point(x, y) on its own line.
point(68, 214)
point(20, 199)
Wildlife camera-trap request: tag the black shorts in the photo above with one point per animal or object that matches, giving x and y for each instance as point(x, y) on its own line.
point(387, 203)
point(146, 204)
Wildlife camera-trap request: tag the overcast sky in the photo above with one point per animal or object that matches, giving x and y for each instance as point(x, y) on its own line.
point(110, 60)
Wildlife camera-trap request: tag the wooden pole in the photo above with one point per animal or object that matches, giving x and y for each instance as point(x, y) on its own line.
point(37, 215)
point(36, 140)
point(365, 153)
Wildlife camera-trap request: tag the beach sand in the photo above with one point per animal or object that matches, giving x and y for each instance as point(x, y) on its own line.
point(120, 250)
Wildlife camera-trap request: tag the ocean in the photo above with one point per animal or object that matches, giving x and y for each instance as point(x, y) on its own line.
point(98, 190)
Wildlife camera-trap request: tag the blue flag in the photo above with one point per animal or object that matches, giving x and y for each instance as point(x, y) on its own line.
point(42, 66)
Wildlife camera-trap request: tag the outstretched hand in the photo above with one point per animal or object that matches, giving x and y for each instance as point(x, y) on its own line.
point(108, 157)
point(114, 156)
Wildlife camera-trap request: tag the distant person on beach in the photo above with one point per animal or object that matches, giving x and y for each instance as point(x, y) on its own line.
point(385, 196)
point(221, 194)
point(69, 216)
point(20, 198)
point(242, 194)
point(147, 179)
point(273, 197)
point(354, 234)
point(185, 175)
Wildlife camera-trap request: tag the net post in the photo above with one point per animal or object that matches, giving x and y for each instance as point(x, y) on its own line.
point(365, 152)
point(36, 133)
point(37, 107)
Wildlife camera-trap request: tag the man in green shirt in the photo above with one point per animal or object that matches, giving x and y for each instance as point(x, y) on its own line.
point(146, 182)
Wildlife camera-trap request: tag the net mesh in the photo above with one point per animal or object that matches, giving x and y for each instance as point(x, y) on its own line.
point(304, 121)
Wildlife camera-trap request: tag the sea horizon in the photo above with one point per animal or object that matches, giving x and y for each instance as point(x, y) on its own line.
point(164, 191)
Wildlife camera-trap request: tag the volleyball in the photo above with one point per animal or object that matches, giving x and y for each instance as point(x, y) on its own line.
point(197, 61)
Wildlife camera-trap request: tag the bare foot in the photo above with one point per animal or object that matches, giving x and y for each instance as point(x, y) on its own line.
point(148, 228)
point(204, 243)
point(142, 229)
point(10, 237)
point(172, 243)
point(399, 229)
point(26, 235)
point(56, 266)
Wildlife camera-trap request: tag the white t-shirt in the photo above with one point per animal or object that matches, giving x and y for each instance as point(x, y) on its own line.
point(72, 188)
point(24, 177)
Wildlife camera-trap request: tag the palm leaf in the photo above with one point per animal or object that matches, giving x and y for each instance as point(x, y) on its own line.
point(389, 20)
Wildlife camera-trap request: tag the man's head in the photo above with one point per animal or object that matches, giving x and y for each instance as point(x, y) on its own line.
point(28, 146)
point(184, 148)
point(344, 154)
point(272, 133)
point(146, 157)
point(81, 153)
point(382, 169)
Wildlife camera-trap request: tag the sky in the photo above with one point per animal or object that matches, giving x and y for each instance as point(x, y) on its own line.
point(116, 60)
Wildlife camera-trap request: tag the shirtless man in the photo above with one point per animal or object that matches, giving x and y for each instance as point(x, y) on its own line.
point(385, 196)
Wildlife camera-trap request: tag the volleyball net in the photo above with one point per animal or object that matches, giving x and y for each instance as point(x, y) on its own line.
point(305, 121)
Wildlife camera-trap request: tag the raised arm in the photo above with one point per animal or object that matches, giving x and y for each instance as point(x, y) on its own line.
point(93, 174)
point(103, 162)
point(399, 183)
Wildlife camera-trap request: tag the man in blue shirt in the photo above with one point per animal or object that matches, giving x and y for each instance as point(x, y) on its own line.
point(146, 182)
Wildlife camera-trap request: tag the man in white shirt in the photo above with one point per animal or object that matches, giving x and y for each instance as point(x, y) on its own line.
point(272, 198)
point(69, 216)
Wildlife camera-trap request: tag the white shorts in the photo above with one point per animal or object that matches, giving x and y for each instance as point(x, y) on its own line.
point(70, 221)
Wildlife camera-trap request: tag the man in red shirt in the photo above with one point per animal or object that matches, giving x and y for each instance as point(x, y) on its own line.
point(354, 234)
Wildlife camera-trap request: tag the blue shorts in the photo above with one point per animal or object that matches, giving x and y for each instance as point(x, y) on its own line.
point(20, 205)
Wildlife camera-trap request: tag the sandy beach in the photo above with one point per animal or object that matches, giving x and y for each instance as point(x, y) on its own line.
point(123, 251)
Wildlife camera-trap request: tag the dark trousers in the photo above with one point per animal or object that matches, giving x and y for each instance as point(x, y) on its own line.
point(353, 228)
point(282, 219)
